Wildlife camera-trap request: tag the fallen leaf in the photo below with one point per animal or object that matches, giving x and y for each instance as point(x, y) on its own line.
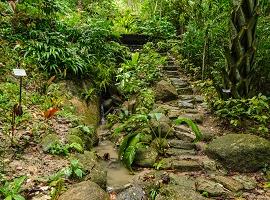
point(50, 112)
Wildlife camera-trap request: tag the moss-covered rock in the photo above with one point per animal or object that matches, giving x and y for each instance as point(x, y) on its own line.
point(165, 91)
point(86, 190)
point(96, 171)
point(88, 136)
point(75, 139)
point(240, 152)
point(49, 140)
point(145, 157)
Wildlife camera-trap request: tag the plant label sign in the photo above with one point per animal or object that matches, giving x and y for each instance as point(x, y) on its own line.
point(19, 72)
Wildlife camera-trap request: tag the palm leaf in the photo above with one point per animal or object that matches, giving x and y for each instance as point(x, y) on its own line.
point(192, 125)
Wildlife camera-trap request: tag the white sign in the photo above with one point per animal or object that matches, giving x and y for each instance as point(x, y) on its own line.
point(19, 72)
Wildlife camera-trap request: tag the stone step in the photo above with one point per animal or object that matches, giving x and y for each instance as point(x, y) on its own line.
point(180, 144)
point(178, 82)
point(174, 72)
point(170, 67)
point(198, 118)
point(184, 90)
point(185, 136)
point(180, 165)
point(180, 152)
point(186, 104)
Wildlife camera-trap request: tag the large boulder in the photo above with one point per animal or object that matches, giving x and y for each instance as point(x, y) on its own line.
point(240, 152)
point(165, 91)
point(86, 190)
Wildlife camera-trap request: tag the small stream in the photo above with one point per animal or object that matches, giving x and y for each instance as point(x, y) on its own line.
point(117, 175)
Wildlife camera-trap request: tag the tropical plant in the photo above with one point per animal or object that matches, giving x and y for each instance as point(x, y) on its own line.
point(11, 190)
point(128, 148)
point(237, 78)
point(192, 125)
point(75, 170)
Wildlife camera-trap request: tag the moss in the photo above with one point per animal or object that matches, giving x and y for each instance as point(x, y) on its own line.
point(75, 139)
point(49, 140)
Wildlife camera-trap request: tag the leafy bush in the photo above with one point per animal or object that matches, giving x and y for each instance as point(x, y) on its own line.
point(11, 190)
point(139, 72)
point(241, 111)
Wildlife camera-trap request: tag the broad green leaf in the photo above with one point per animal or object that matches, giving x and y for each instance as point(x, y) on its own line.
point(192, 125)
point(79, 173)
point(129, 156)
point(18, 197)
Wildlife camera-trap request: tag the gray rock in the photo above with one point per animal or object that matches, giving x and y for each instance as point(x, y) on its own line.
point(182, 181)
point(229, 183)
point(209, 165)
point(132, 193)
point(212, 188)
point(146, 157)
point(247, 182)
point(194, 117)
point(174, 192)
point(180, 144)
point(240, 152)
point(184, 90)
point(179, 152)
point(188, 137)
point(186, 104)
point(180, 165)
point(86, 190)
point(165, 91)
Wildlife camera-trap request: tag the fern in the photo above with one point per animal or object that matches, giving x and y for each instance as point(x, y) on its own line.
point(192, 125)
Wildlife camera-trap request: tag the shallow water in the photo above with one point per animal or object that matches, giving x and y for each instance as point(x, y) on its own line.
point(117, 175)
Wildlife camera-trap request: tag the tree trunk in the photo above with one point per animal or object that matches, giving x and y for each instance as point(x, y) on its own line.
point(237, 77)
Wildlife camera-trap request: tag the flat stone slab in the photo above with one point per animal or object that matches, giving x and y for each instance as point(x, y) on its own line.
point(213, 189)
point(229, 183)
point(180, 165)
point(194, 117)
point(186, 104)
point(180, 144)
point(247, 182)
point(180, 152)
point(184, 90)
point(185, 136)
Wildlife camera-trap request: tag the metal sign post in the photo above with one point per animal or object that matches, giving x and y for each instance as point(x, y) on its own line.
point(19, 73)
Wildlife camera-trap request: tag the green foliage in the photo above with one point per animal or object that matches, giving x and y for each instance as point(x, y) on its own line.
point(75, 170)
point(241, 111)
point(11, 190)
point(64, 149)
point(128, 147)
point(192, 125)
point(139, 72)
